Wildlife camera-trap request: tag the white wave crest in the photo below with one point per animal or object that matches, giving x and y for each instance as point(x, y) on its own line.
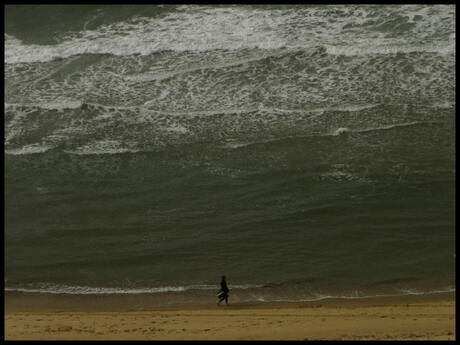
point(87, 290)
point(28, 149)
point(358, 295)
point(200, 28)
point(343, 130)
point(370, 48)
point(57, 105)
point(101, 147)
point(192, 31)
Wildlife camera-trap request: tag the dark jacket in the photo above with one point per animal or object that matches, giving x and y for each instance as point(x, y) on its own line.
point(223, 286)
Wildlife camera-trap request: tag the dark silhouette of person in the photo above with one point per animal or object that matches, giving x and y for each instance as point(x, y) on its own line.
point(223, 292)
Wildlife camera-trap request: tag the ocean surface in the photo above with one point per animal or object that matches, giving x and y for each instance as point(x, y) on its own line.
point(303, 151)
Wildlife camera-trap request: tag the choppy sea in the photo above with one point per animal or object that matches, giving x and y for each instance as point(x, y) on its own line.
point(304, 151)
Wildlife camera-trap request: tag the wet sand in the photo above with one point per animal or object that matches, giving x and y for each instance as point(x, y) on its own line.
point(428, 317)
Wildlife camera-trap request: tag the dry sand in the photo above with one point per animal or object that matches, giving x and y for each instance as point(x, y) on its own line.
point(429, 317)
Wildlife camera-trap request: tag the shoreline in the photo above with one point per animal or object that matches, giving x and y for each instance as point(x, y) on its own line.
point(400, 317)
point(61, 302)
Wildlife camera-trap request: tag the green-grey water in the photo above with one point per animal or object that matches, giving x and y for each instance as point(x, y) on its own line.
point(303, 151)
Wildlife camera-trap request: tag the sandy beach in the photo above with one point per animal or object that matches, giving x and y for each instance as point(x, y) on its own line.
point(430, 317)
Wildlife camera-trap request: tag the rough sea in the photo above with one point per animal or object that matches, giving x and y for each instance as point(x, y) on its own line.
point(304, 151)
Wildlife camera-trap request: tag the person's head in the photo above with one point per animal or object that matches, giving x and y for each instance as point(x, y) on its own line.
point(223, 277)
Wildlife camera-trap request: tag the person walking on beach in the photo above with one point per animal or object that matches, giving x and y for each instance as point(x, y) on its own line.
point(223, 292)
